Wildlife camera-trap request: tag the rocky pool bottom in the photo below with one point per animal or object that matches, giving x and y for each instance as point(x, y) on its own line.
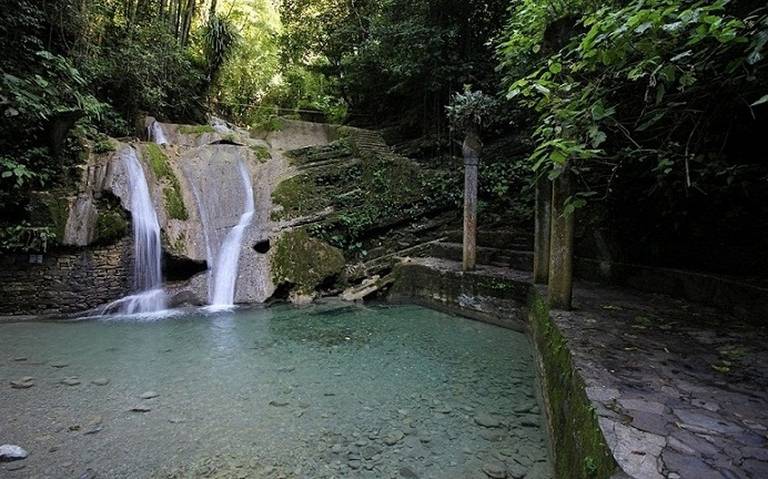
point(331, 390)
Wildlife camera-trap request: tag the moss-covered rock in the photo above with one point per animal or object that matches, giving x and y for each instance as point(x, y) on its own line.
point(261, 152)
point(160, 164)
point(111, 224)
point(304, 262)
point(196, 129)
point(298, 196)
point(580, 448)
point(50, 209)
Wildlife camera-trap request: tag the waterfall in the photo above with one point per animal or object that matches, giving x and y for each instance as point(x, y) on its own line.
point(147, 276)
point(157, 134)
point(225, 265)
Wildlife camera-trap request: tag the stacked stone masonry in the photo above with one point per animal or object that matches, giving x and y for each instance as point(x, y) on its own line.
point(67, 281)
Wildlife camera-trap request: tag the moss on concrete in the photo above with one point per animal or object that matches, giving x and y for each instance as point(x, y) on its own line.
point(160, 164)
point(196, 129)
point(305, 262)
point(579, 446)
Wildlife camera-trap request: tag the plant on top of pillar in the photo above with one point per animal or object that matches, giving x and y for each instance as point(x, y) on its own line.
point(468, 112)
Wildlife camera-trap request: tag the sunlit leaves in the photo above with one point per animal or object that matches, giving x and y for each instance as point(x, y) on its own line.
point(652, 50)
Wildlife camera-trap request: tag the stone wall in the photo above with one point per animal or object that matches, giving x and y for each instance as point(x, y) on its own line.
point(579, 447)
point(67, 281)
point(497, 298)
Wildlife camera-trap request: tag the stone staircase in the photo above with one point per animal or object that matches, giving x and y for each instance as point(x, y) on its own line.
point(367, 141)
point(498, 248)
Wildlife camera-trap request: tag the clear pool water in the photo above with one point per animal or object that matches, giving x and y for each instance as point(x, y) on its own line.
point(333, 390)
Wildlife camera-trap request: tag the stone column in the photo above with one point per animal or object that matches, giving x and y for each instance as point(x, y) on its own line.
point(471, 151)
point(561, 248)
point(542, 232)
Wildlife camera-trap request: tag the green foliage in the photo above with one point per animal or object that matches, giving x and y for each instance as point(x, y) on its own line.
point(25, 238)
point(471, 110)
point(650, 102)
point(250, 73)
point(267, 123)
point(103, 144)
point(625, 75)
point(394, 59)
point(220, 39)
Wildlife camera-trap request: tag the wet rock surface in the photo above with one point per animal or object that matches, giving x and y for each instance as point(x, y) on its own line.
point(332, 390)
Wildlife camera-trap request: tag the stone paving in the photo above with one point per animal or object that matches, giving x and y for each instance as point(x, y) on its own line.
point(681, 390)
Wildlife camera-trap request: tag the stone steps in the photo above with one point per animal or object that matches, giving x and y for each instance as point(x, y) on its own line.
point(502, 239)
point(521, 260)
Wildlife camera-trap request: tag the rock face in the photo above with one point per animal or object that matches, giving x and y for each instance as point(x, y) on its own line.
point(192, 178)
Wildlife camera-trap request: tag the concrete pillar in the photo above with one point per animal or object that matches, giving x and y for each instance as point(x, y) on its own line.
point(471, 151)
point(543, 216)
point(561, 247)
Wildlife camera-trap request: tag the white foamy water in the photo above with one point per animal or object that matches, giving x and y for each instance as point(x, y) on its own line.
point(225, 266)
point(157, 134)
point(147, 252)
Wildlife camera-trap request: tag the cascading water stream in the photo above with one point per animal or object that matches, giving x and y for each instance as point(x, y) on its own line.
point(157, 134)
point(147, 274)
point(225, 265)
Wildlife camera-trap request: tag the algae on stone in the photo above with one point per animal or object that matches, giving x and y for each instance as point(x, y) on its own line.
point(578, 442)
point(196, 129)
point(298, 196)
point(370, 189)
point(111, 224)
point(305, 262)
point(174, 201)
point(261, 152)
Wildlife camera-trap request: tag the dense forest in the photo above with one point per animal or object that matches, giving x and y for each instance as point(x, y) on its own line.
point(657, 106)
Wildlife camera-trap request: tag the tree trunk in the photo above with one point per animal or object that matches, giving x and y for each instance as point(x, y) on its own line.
point(561, 251)
point(471, 150)
point(541, 240)
point(190, 12)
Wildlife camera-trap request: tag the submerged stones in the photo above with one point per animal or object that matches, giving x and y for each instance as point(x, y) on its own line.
point(10, 452)
point(100, 382)
point(24, 383)
point(71, 381)
point(393, 438)
point(486, 420)
point(149, 395)
point(495, 469)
